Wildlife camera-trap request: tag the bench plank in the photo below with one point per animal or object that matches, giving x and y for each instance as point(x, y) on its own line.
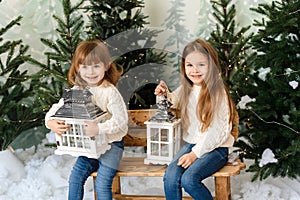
point(134, 166)
point(139, 197)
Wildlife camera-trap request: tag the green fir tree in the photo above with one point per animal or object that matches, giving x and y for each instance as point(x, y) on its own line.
point(121, 24)
point(231, 45)
point(273, 118)
point(53, 75)
point(19, 110)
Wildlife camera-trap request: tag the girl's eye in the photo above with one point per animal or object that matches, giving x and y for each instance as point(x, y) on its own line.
point(188, 65)
point(84, 66)
point(96, 66)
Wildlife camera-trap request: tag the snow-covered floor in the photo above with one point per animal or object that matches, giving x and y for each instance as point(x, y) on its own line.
point(39, 174)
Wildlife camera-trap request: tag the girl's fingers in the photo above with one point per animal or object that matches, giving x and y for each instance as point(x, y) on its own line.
point(180, 161)
point(161, 88)
point(163, 84)
point(62, 128)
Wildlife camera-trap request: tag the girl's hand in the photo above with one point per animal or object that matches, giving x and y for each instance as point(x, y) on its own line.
point(58, 126)
point(91, 128)
point(187, 159)
point(161, 88)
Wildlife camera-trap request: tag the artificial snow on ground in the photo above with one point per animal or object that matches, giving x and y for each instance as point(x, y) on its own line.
point(36, 173)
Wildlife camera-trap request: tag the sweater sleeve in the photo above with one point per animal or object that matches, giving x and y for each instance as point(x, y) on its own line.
point(218, 133)
point(119, 115)
point(53, 110)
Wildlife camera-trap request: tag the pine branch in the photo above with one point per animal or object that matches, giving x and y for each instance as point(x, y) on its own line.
point(10, 25)
point(69, 30)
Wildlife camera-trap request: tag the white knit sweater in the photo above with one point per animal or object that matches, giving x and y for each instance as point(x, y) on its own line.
point(218, 133)
point(109, 99)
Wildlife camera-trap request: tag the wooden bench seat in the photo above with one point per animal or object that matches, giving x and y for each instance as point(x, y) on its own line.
point(135, 167)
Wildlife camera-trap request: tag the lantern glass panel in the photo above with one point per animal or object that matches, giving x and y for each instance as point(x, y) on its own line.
point(72, 130)
point(64, 140)
point(72, 142)
point(164, 135)
point(154, 134)
point(165, 150)
point(79, 142)
point(154, 149)
point(77, 129)
point(87, 143)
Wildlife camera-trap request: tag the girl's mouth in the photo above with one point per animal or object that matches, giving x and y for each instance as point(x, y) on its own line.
point(93, 77)
point(196, 76)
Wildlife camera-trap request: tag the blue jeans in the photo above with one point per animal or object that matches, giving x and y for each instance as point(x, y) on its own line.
point(176, 177)
point(106, 167)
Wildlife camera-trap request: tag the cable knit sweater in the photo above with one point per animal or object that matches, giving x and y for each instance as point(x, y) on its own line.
point(109, 99)
point(218, 133)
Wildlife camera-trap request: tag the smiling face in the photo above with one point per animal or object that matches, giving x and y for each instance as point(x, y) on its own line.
point(92, 74)
point(196, 67)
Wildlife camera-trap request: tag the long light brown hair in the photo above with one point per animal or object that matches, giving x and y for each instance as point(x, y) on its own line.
point(213, 87)
point(88, 53)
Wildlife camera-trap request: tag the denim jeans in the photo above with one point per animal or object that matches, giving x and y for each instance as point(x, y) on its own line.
point(190, 179)
point(106, 167)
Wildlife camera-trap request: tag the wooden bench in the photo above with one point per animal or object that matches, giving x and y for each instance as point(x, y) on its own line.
point(135, 167)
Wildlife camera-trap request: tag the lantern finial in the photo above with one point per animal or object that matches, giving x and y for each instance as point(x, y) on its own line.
point(163, 113)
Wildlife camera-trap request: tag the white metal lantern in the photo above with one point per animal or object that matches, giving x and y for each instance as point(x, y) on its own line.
point(163, 135)
point(77, 108)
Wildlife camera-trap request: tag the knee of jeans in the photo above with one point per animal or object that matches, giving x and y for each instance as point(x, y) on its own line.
point(105, 176)
point(82, 169)
point(76, 177)
point(171, 180)
point(186, 182)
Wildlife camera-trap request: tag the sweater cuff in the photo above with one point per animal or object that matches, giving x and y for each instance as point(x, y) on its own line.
point(197, 151)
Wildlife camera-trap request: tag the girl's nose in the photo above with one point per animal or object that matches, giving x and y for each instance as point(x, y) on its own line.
point(196, 68)
point(90, 70)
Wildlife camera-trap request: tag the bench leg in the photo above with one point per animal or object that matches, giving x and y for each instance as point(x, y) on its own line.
point(222, 188)
point(116, 185)
point(95, 193)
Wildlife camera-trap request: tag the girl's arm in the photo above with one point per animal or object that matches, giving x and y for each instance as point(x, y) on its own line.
point(52, 111)
point(57, 126)
point(119, 115)
point(217, 134)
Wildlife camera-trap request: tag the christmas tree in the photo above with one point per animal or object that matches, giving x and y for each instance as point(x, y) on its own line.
point(180, 36)
point(53, 75)
point(121, 24)
point(234, 51)
point(205, 21)
point(19, 109)
point(231, 45)
point(272, 137)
